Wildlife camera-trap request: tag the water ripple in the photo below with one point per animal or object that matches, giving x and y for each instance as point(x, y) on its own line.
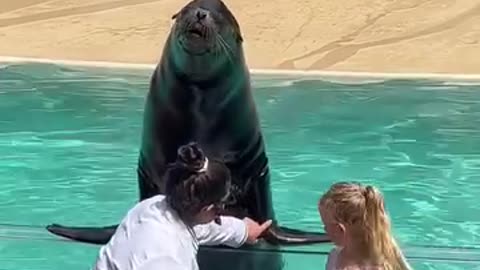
point(69, 139)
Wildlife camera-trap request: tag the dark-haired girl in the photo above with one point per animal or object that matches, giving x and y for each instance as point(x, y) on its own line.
point(163, 232)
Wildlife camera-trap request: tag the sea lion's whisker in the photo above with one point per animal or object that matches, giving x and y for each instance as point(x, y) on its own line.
point(226, 49)
point(217, 47)
point(208, 33)
point(226, 45)
point(221, 47)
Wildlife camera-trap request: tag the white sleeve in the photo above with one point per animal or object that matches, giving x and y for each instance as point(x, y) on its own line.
point(232, 232)
point(163, 262)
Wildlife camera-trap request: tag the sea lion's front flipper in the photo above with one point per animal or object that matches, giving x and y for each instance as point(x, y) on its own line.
point(286, 236)
point(91, 235)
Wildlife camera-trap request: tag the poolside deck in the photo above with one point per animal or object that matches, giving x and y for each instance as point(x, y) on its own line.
point(388, 36)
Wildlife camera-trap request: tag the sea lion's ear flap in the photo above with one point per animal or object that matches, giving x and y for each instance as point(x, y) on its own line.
point(175, 16)
point(233, 21)
point(236, 30)
point(239, 36)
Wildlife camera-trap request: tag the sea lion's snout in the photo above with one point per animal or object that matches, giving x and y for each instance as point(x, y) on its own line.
point(197, 29)
point(199, 23)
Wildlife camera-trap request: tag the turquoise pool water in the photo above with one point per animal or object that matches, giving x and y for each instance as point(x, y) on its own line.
point(69, 139)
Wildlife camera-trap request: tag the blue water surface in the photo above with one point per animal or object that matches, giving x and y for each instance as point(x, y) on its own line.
point(69, 140)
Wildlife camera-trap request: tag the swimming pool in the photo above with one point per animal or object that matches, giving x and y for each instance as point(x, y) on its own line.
point(69, 138)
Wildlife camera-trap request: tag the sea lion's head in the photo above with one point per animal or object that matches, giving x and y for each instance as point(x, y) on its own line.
point(205, 32)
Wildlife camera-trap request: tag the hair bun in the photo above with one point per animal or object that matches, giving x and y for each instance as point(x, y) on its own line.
point(191, 156)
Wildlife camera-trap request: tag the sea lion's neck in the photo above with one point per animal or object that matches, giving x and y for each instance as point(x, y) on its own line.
point(213, 81)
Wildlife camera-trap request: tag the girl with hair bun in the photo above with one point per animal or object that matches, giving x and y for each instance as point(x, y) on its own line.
point(355, 219)
point(164, 231)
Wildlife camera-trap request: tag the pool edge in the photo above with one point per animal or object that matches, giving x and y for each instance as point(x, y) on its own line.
point(284, 72)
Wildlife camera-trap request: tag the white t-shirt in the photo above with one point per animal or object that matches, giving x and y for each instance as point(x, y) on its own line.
point(151, 236)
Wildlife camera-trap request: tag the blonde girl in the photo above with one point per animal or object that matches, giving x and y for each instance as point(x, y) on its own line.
point(355, 220)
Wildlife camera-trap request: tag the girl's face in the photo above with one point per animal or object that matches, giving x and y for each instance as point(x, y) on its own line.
point(207, 215)
point(335, 230)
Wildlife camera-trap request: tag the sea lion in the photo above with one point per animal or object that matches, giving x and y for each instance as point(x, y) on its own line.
point(201, 91)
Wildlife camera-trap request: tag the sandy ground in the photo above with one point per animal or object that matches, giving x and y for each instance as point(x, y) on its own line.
point(343, 35)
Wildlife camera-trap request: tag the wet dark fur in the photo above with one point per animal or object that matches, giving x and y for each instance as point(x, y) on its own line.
point(200, 91)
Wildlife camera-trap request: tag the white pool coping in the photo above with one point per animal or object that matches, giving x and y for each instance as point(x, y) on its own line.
point(284, 72)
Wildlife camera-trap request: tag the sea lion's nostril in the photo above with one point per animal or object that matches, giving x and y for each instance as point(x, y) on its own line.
point(201, 14)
